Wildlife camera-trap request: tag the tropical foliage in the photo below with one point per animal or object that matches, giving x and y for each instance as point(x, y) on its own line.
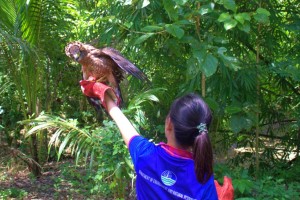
point(241, 56)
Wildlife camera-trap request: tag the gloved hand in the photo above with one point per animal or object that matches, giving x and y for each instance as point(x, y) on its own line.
point(225, 192)
point(98, 90)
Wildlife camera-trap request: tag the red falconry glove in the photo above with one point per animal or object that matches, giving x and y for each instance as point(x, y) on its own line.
point(98, 90)
point(225, 192)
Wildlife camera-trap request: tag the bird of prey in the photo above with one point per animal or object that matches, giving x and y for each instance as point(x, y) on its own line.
point(104, 65)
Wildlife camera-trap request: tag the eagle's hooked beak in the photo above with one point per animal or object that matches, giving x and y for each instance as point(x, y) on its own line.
point(76, 56)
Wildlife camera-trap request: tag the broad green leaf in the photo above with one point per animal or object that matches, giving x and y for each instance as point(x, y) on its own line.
point(174, 46)
point(213, 104)
point(174, 30)
point(152, 28)
point(242, 185)
point(224, 17)
point(230, 4)
point(210, 64)
point(262, 15)
point(263, 11)
point(242, 188)
point(127, 2)
point(193, 68)
point(233, 109)
point(222, 50)
point(246, 16)
point(183, 22)
point(239, 122)
point(199, 54)
point(229, 24)
point(207, 8)
point(180, 2)
point(227, 60)
point(145, 3)
point(239, 17)
point(244, 27)
point(143, 38)
point(189, 39)
point(169, 5)
point(128, 24)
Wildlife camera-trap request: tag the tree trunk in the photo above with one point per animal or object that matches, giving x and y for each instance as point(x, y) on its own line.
point(34, 168)
point(257, 129)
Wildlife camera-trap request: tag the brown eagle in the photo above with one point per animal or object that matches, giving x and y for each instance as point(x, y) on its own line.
point(104, 65)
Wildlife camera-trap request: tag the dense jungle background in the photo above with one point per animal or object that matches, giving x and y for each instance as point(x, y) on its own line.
point(241, 56)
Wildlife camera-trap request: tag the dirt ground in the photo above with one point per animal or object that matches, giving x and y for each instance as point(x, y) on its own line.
point(42, 188)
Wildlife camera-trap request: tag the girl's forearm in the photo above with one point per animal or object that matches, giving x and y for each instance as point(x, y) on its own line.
point(126, 128)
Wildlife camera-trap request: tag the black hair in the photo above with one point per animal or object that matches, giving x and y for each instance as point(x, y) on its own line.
point(186, 114)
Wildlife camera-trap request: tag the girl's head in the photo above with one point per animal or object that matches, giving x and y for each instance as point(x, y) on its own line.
point(191, 118)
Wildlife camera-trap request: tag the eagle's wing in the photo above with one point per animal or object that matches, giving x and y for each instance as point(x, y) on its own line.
point(124, 64)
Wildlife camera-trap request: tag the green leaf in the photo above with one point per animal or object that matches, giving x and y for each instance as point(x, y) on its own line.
point(54, 138)
point(38, 127)
point(145, 3)
point(239, 122)
point(143, 38)
point(233, 109)
point(262, 16)
point(246, 16)
point(230, 4)
point(199, 54)
point(183, 22)
point(206, 8)
point(92, 158)
point(180, 2)
point(228, 60)
point(230, 24)
point(239, 17)
point(127, 2)
point(63, 145)
point(207, 62)
point(222, 50)
point(210, 64)
point(169, 5)
point(128, 24)
point(242, 185)
point(224, 17)
point(213, 104)
point(152, 28)
point(244, 27)
point(263, 11)
point(175, 30)
point(193, 68)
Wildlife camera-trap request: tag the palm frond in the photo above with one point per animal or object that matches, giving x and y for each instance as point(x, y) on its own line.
point(148, 96)
point(67, 134)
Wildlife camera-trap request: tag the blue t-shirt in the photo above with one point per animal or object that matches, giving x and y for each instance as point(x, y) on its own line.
point(163, 176)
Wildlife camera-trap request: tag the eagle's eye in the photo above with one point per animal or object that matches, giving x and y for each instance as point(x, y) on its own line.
point(74, 50)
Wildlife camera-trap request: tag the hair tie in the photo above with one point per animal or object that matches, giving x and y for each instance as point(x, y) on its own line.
point(202, 128)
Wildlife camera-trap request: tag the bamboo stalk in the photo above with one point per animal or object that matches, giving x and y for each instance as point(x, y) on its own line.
point(257, 129)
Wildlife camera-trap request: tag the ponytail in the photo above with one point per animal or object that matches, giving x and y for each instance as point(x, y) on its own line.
point(191, 118)
point(203, 157)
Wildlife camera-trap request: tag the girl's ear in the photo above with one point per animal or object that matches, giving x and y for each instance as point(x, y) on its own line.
point(168, 124)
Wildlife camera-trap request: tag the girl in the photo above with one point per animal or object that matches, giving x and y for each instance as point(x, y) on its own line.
point(179, 169)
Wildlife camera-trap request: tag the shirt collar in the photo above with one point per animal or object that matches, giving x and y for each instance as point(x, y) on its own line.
point(176, 152)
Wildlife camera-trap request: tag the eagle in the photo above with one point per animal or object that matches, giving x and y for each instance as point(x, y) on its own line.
point(106, 65)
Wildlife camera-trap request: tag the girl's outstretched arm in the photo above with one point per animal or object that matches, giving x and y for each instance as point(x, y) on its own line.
point(126, 128)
